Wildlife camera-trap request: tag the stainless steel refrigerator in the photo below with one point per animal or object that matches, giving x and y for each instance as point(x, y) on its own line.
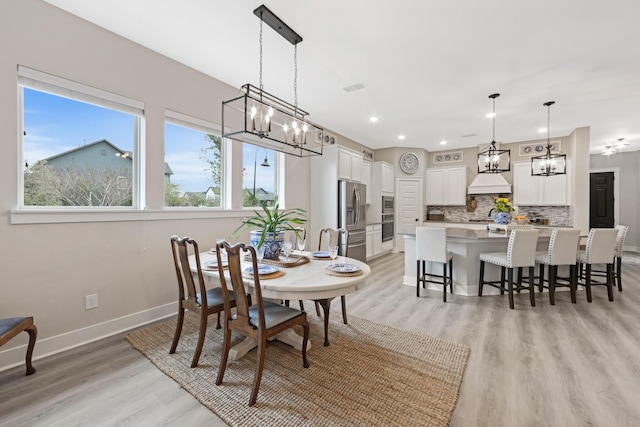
point(352, 216)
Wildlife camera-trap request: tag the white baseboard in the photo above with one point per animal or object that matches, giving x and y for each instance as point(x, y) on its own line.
point(52, 345)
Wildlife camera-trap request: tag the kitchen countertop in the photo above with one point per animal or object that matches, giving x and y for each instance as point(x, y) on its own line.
point(487, 222)
point(474, 234)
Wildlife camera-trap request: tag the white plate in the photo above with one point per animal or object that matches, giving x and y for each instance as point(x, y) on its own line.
point(263, 269)
point(320, 254)
point(344, 268)
point(214, 263)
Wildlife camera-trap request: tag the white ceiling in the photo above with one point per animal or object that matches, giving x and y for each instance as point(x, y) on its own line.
point(428, 66)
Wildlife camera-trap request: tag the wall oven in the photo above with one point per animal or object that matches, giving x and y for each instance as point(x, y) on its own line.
point(387, 227)
point(387, 204)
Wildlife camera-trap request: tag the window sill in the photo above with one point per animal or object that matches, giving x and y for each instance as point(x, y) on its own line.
point(53, 216)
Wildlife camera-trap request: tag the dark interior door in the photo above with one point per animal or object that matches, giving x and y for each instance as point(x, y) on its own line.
point(601, 200)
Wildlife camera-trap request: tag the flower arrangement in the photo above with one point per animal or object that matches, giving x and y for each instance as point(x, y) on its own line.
point(502, 204)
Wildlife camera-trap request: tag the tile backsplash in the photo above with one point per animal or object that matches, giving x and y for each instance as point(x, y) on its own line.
point(561, 216)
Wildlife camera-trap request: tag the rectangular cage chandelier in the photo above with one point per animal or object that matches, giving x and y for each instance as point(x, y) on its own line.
point(258, 117)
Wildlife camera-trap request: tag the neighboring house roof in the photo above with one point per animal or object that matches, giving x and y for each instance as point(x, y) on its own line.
point(167, 169)
point(84, 147)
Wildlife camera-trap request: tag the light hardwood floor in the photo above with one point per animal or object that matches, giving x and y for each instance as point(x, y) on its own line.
point(562, 365)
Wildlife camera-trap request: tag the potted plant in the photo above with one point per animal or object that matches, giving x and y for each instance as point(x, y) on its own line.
point(502, 210)
point(271, 224)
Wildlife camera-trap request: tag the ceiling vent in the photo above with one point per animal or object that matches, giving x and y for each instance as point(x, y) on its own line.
point(354, 87)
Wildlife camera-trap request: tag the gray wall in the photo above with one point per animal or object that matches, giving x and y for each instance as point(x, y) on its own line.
point(628, 179)
point(48, 269)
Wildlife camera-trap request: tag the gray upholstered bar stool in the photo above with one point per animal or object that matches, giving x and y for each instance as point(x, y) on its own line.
point(600, 249)
point(431, 246)
point(563, 248)
point(521, 252)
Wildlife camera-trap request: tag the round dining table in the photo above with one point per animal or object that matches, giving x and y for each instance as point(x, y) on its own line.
point(311, 280)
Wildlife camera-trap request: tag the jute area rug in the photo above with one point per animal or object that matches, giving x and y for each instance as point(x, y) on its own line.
point(371, 374)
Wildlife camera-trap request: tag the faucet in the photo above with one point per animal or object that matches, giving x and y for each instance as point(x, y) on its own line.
point(490, 210)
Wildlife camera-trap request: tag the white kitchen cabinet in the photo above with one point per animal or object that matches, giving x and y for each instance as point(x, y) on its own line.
point(344, 164)
point(447, 186)
point(369, 242)
point(388, 174)
point(374, 241)
point(377, 239)
point(356, 167)
point(366, 179)
point(539, 190)
point(349, 165)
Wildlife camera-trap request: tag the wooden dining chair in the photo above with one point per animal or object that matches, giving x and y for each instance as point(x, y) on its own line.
point(333, 237)
point(13, 326)
point(260, 321)
point(200, 300)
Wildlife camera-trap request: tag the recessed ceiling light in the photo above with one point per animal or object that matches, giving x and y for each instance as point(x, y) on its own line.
point(401, 137)
point(542, 130)
point(373, 119)
point(490, 115)
point(443, 142)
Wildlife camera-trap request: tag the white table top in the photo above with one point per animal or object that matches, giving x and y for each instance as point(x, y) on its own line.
point(304, 282)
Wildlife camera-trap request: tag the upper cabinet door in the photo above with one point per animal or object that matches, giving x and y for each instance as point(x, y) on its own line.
point(435, 187)
point(356, 167)
point(366, 179)
point(344, 164)
point(456, 186)
point(525, 186)
point(388, 175)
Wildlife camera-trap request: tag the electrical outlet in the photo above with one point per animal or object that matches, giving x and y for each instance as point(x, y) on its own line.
point(91, 301)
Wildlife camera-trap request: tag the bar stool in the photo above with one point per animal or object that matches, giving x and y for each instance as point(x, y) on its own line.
point(521, 252)
point(431, 245)
point(563, 249)
point(600, 249)
point(617, 270)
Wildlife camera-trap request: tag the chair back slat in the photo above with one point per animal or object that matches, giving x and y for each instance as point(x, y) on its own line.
point(180, 250)
point(235, 254)
point(522, 248)
point(563, 246)
point(431, 244)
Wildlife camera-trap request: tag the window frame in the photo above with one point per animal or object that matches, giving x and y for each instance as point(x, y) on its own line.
point(179, 119)
point(64, 88)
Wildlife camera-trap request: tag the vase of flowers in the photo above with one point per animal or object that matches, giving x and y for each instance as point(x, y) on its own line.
point(502, 210)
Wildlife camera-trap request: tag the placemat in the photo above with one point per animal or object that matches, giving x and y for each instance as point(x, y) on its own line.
point(330, 272)
point(273, 275)
point(294, 261)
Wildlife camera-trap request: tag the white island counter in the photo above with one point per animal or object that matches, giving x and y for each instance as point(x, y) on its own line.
point(466, 245)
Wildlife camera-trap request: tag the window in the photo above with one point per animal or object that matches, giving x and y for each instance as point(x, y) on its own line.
point(79, 144)
point(193, 162)
point(259, 184)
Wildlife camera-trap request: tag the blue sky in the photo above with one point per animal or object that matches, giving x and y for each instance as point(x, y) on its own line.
point(54, 125)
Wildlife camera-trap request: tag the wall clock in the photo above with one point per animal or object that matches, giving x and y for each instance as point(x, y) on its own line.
point(409, 163)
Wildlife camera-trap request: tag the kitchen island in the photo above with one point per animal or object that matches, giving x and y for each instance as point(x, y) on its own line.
point(466, 245)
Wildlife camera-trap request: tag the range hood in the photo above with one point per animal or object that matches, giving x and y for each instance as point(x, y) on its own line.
point(489, 183)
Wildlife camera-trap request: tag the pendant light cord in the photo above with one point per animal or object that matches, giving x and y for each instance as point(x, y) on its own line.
point(295, 76)
point(261, 53)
